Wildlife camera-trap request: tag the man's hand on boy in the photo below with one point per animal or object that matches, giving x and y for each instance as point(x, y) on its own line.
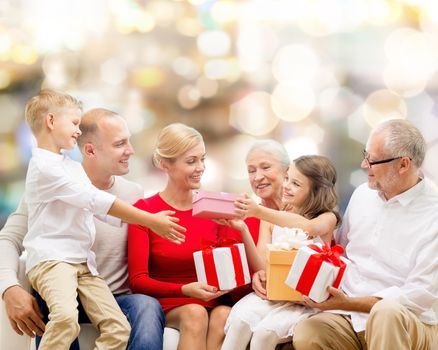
point(23, 312)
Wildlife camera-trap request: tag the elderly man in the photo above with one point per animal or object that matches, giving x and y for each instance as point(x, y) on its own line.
point(106, 151)
point(390, 235)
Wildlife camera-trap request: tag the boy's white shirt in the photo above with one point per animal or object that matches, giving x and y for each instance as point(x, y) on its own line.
point(110, 245)
point(61, 203)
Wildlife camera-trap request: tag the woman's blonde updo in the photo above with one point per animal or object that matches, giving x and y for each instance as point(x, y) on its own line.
point(173, 141)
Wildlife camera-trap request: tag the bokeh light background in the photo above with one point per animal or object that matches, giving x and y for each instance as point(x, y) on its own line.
point(315, 75)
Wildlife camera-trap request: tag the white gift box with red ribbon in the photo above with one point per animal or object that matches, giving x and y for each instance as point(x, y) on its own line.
point(315, 268)
point(223, 267)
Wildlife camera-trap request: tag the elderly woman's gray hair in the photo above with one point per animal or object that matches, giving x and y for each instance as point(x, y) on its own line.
point(273, 147)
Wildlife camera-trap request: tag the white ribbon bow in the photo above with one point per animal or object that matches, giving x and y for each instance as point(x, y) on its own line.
point(289, 238)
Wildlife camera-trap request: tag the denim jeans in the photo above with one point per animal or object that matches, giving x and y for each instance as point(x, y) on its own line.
point(146, 317)
point(143, 312)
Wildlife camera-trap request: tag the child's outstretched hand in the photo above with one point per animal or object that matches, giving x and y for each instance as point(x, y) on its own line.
point(246, 206)
point(166, 226)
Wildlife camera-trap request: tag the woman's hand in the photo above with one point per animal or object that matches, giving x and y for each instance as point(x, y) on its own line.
point(166, 226)
point(202, 291)
point(237, 224)
point(259, 283)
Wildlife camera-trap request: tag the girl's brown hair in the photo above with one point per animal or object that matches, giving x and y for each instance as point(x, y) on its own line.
point(322, 175)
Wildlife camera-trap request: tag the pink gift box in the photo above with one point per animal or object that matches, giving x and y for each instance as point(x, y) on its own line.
point(223, 267)
point(214, 205)
point(315, 268)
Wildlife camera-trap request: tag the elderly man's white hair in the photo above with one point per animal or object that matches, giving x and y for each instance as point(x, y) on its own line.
point(402, 139)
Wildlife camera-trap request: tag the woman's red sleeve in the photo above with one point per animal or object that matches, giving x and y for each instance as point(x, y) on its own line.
point(138, 257)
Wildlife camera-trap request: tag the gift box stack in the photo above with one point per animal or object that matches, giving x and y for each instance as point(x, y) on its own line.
point(315, 268)
point(224, 266)
point(280, 256)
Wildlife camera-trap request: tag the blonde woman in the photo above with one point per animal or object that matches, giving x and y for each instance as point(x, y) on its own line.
point(167, 271)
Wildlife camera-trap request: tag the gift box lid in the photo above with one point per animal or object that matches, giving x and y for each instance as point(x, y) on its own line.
point(279, 256)
point(223, 196)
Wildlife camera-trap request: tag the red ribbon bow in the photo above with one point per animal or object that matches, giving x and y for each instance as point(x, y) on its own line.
point(329, 254)
point(207, 247)
point(311, 270)
point(222, 242)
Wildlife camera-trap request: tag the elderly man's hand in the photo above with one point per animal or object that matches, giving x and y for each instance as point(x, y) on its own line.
point(338, 300)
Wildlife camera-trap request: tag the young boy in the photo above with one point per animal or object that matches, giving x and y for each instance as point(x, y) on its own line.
point(61, 203)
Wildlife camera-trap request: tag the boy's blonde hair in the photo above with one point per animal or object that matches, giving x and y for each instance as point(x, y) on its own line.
point(47, 101)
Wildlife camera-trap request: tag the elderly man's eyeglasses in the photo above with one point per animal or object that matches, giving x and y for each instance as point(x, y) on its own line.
point(370, 163)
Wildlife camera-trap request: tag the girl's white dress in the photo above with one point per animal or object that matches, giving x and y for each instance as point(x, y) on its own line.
point(277, 316)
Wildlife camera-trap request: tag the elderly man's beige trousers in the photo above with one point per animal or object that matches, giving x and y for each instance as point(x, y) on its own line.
point(390, 326)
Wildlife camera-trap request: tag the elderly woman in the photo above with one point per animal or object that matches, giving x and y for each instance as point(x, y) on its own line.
point(267, 162)
point(165, 270)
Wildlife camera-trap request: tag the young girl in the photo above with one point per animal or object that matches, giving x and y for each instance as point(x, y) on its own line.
point(309, 200)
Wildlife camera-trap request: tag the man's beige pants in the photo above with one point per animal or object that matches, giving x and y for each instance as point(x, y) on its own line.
point(390, 326)
point(59, 283)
